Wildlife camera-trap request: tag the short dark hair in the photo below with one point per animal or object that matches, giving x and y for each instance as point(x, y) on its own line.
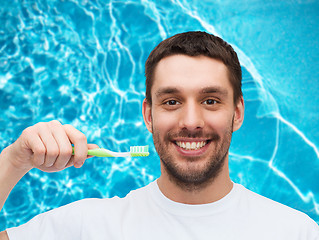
point(195, 44)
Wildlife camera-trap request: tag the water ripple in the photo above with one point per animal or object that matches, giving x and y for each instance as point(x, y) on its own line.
point(82, 62)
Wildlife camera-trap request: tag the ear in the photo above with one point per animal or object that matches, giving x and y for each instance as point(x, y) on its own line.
point(239, 114)
point(147, 115)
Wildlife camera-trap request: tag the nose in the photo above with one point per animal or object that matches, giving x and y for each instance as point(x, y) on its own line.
point(191, 117)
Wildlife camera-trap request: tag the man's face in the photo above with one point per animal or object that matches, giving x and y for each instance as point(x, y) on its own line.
point(192, 117)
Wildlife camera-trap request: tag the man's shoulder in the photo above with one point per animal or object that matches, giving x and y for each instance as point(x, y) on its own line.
point(274, 211)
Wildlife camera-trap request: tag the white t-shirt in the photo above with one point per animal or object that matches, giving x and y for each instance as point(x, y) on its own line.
point(146, 214)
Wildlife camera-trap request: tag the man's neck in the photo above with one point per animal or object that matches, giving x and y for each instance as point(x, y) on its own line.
point(208, 193)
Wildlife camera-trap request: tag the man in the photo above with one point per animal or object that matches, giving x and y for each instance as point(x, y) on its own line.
point(193, 105)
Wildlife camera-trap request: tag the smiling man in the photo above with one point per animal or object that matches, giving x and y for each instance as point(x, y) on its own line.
point(192, 115)
point(193, 105)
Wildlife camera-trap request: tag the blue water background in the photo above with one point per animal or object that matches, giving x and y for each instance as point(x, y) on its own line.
point(82, 62)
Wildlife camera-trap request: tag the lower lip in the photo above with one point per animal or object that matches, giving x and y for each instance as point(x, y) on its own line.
point(197, 152)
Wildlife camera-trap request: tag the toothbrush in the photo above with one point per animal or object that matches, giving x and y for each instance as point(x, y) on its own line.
point(135, 151)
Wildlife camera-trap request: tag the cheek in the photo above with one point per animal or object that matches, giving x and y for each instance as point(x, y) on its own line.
point(221, 122)
point(163, 121)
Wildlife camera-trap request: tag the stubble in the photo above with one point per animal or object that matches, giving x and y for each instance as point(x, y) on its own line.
point(189, 175)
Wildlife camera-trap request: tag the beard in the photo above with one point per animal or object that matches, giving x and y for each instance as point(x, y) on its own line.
point(192, 175)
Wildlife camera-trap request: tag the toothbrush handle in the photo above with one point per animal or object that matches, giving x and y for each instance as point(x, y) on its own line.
point(100, 152)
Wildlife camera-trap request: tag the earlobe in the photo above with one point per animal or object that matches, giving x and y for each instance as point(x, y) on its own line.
point(147, 115)
point(239, 114)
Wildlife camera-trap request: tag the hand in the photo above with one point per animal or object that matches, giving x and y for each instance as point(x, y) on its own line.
point(47, 146)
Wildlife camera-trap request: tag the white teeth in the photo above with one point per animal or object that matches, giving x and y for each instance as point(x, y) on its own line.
point(191, 145)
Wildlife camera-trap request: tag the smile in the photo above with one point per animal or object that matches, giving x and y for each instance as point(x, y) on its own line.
point(191, 145)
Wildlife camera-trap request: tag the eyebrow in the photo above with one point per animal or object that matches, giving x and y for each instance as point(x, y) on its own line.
point(217, 90)
point(167, 90)
point(206, 90)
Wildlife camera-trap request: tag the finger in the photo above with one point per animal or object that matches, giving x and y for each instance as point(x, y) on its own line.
point(51, 146)
point(92, 146)
point(64, 144)
point(70, 163)
point(35, 145)
point(71, 160)
point(80, 144)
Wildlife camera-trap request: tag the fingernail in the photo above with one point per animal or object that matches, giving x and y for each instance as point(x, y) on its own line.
point(78, 164)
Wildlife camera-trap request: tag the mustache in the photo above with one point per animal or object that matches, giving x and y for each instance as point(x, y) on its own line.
point(184, 133)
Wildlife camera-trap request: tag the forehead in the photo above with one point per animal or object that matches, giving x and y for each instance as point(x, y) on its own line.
point(190, 74)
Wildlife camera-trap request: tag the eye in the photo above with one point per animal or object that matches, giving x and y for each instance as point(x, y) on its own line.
point(210, 102)
point(171, 102)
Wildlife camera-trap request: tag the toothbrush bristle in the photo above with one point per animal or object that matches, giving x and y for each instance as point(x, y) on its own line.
point(139, 151)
